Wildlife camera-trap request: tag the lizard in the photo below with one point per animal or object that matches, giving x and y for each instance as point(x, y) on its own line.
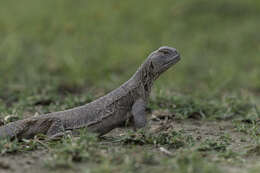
point(105, 113)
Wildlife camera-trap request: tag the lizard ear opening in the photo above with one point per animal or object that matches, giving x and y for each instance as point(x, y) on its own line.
point(151, 65)
point(146, 88)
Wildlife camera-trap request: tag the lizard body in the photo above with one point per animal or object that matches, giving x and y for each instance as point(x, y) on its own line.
point(105, 113)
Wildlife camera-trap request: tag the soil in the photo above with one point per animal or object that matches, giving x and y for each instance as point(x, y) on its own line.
point(33, 161)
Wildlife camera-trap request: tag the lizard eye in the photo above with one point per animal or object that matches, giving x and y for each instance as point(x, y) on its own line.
point(165, 52)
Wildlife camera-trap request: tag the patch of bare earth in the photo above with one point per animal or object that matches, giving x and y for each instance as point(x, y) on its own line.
point(200, 130)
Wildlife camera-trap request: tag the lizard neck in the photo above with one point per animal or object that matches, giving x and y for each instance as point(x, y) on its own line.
point(143, 79)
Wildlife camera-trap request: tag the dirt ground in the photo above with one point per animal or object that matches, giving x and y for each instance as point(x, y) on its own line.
point(34, 161)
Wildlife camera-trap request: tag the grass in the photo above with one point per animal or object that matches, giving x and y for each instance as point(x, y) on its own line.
point(57, 55)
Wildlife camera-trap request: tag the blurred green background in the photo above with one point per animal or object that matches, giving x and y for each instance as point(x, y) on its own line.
point(99, 44)
point(58, 54)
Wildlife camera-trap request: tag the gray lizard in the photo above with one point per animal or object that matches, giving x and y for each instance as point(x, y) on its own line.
point(105, 113)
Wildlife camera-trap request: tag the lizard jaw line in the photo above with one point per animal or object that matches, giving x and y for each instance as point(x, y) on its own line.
point(174, 60)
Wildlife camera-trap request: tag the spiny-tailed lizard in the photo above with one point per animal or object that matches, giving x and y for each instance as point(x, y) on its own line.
point(107, 112)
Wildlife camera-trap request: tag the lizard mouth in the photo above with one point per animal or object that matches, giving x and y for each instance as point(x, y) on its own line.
point(176, 58)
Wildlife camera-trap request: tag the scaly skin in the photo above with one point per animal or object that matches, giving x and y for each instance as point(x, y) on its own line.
point(105, 113)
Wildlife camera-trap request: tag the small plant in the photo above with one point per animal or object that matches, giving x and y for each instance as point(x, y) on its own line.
point(149, 159)
point(222, 108)
point(210, 145)
point(254, 150)
point(171, 138)
point(193, 163)
point(9, 147)
point(251, 129)
point(74, 149)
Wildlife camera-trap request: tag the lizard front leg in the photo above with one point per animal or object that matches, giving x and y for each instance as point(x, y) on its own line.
point(139, 114)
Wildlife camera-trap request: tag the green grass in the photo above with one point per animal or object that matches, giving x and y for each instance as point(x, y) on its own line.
point(56, 55)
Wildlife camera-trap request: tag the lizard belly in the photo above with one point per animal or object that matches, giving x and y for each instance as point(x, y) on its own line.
point(109, 122)
point(100, 122)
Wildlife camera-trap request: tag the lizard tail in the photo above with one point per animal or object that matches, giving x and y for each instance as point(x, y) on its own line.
point(11, 130)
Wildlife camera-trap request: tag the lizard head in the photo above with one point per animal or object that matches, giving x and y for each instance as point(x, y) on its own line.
point(162, 59)
point(157, 62)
